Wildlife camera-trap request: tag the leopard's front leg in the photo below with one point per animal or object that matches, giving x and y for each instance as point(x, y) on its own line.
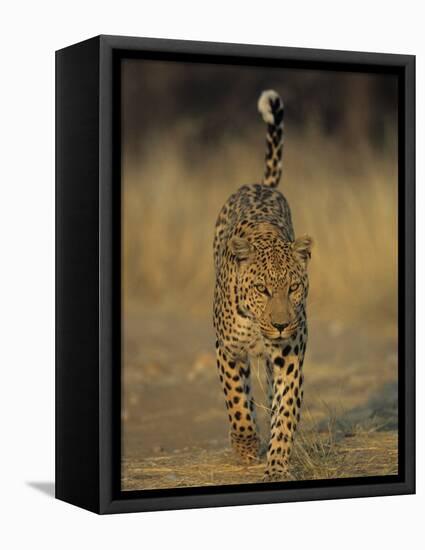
point(287, 361)
point(235, 377)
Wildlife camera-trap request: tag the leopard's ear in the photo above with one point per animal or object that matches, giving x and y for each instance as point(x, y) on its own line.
point(302, 249)
point(241, 248)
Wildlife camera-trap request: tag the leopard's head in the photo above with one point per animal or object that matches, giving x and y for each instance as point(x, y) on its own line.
point(271, 280)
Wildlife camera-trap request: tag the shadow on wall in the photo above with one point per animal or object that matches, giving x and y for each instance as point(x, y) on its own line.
point(46, 487)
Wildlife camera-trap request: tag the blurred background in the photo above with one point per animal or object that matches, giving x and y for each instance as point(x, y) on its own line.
point(191, 136)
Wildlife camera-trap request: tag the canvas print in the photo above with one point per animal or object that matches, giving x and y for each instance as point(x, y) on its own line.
point(259, 323)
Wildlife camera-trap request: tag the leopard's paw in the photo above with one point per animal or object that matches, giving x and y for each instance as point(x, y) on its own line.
point(246, 448)
point(278, 471)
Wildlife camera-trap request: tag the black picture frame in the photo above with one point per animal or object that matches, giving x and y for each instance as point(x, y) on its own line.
point(88, 313)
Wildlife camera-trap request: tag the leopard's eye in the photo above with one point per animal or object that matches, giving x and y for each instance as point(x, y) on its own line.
point(294, 287)
point(261, 288)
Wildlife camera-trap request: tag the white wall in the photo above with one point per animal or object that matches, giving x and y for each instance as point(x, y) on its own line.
point(30, 32)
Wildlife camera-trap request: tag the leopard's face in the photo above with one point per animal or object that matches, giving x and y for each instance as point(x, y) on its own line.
point(272, 283)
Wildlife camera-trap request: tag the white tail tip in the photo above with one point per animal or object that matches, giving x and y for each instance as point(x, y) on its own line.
point(264, 105)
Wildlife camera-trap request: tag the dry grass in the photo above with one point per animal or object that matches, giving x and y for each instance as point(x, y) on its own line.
point(316, 456)
point(345, 197)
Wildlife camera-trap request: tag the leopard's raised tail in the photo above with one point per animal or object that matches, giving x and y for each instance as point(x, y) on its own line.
point(270, 106)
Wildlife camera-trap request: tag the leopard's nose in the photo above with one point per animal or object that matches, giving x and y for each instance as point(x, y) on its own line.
point(280, 326)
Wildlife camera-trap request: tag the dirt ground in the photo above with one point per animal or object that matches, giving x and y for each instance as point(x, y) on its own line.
point(175, 430)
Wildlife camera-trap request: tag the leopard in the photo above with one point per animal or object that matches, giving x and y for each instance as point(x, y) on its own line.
point(260, 307)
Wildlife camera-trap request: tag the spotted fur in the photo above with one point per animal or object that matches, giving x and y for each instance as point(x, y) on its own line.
point(260, 304)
